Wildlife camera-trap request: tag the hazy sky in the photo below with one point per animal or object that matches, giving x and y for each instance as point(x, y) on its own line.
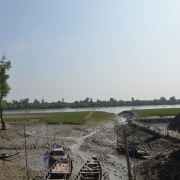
point(101, 49)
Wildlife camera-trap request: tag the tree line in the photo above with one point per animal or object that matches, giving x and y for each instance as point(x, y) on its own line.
point(88, 102)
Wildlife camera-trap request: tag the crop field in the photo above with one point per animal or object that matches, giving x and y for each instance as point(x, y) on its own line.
point(58, 117)
point(159, 112)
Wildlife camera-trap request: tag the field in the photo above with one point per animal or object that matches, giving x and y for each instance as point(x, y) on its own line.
point(158, 112)
point(58, 117)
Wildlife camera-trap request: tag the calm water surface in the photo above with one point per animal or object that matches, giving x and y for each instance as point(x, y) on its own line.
point(115, 110)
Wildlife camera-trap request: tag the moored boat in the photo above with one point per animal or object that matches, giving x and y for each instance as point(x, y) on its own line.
point(91, 170)
point(57, 152)
point(61, 170)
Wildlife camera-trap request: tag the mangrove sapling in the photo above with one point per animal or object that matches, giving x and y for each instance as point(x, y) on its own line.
point(4, 86)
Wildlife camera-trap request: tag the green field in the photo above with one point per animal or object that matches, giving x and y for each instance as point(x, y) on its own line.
point(58, 117)
point(158, 112)
point(101, 116)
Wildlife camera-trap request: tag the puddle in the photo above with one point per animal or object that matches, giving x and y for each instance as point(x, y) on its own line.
point(47, 162)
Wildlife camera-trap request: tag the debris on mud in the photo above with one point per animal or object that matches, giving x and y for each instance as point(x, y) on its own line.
point(162, 145)
point(164, 166)
point(174, 125)
point(129, 115)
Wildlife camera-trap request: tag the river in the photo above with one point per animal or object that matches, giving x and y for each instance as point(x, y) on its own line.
point(115, 110)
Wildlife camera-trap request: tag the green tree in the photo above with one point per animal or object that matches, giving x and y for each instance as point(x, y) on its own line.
point(172, 100)
point(4, 86)
point(163, 100)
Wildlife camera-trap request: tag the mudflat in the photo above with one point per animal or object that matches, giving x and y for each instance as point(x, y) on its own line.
point(84, 140)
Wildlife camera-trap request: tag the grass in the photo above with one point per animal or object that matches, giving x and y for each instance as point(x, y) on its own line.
point(100, 116)
point(158, 112)
point(58, 117)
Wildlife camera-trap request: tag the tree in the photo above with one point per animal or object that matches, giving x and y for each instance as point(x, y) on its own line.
point(163, 100)
point(172, 100)
point(4, 86)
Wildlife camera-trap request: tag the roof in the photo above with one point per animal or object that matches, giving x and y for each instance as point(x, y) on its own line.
point(57, 149)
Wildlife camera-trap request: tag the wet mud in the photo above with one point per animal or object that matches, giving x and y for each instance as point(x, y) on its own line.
point(82, 141)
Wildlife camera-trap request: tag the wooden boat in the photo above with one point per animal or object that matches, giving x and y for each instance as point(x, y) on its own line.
point(57, 152)
point(61, 170)
point(139, 152)
point(90, 171)
point(5, 155)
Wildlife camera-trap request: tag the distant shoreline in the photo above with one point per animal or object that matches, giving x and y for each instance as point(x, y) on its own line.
point(86, 103)
point(114, 109)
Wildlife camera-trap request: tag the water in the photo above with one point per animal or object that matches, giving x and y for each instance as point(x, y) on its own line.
point(47, 162)
point(115, 110)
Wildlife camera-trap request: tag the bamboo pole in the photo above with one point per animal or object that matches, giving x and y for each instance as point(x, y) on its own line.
point(47, 134)
point(127, 156)
point(26, 152)
point(54, 135)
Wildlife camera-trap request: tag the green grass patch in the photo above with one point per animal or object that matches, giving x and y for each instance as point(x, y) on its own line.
point(101, 116)
point(158, 112)
point(56, 117)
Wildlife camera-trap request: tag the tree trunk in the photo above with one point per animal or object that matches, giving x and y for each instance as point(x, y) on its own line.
point(2, 121)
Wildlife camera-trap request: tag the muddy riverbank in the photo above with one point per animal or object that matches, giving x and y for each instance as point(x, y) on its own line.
point(162, 145)
point(84, 140)
point(80, 140)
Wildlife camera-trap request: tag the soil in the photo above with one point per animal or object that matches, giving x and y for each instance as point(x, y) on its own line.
point(82, 141)
point(75, 138)
point(174, 125)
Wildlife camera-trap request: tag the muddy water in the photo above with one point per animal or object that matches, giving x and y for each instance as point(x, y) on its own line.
point(47, 162)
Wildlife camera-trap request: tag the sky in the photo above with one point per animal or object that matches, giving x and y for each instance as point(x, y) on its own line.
point(103, 49)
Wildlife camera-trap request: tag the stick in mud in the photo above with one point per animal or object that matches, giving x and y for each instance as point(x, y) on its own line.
point(26, 151)
point(47, 134)
point(127, 156)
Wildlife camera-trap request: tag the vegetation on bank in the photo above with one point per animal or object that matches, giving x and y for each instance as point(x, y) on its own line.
point(88, 102)
point(158, 112)
point(58, 117)
point(101, 116)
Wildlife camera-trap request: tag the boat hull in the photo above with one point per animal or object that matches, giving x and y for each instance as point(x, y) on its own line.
point(90, 170)
point(60, 170)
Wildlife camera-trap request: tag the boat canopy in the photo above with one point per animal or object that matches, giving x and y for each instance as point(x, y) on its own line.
point(57, 152)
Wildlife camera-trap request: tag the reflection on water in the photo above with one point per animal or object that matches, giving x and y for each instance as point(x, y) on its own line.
point(115, 110)
point(47, 161)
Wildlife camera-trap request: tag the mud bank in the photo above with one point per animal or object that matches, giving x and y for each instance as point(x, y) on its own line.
point(152, 135)
point(81, 140)
point(129, 115)
point(84, 140)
